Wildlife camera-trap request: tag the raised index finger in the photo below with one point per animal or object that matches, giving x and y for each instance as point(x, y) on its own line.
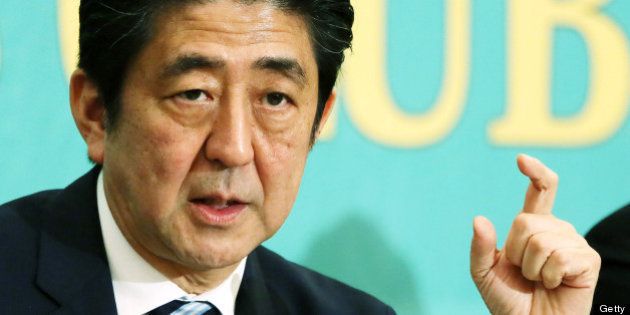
point(541, 192)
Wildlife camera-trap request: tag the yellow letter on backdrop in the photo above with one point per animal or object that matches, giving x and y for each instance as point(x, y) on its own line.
point(529, 120)
point(370, 104)
point(69, 33)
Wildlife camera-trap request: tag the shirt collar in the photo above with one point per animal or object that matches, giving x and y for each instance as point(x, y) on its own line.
point(138, 287)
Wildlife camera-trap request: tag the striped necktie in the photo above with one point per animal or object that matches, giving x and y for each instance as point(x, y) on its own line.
point(179, 307)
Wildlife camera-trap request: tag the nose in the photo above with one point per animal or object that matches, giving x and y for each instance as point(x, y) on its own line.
point(230, 140)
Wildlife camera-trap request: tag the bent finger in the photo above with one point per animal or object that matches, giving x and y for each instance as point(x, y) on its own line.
point(526, 225)
point(574, 267)
point(540, 246)
point(543, 186)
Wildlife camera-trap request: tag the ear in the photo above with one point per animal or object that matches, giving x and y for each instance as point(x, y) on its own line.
point(328, 108)
point(88, 112)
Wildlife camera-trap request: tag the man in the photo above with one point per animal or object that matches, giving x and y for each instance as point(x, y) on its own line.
point(200, 115)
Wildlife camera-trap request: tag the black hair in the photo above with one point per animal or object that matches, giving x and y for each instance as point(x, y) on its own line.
point(113, 32)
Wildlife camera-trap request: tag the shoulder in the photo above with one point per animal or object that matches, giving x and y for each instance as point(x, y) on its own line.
point(611, 239)
point(308, 290)
point(20, 226)
point(22, 216)
point(612, 233)
point(20, 230)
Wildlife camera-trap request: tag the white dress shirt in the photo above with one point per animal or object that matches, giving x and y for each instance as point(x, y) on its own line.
point(138, 287)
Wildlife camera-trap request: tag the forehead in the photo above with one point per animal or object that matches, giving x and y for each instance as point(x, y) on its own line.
point(231, 30)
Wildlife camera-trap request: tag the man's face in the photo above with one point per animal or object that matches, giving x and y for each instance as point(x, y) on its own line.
point(206, 158)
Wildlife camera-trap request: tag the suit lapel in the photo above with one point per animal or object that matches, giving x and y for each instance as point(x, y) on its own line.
point(73, 266)
point(253, 296)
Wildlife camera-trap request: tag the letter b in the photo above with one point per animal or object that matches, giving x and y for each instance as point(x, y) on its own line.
point(528, 120)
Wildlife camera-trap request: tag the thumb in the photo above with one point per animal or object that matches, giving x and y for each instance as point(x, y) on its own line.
point(483, 248)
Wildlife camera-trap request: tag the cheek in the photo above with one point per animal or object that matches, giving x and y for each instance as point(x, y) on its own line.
point(171, 146)
point(170, 150)
point(280, 164)
point(157, 155)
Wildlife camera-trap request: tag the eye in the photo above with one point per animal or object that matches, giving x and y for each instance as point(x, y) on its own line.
point(193, 96)
point(275, 99)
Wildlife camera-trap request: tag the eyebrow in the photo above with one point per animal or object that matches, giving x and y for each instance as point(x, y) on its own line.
point(188, 63)
point(287, 67)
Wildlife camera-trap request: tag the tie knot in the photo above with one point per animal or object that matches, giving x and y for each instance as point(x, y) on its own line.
point(185, 307)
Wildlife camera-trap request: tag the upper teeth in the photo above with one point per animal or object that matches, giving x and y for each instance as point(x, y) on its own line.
point(218, 204)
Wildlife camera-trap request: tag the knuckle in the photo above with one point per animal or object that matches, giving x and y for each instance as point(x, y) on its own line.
point(538, 244)
point(566, 226)
point(521, 223)
point(582, 241)
point(549, 276)
point(546, 273)
point(530, 274)
point(561, 259)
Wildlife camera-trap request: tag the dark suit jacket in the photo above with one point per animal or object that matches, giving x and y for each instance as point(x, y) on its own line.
point(52, 260)
point(611, 239)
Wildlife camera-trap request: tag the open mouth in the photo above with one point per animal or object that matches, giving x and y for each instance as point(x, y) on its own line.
point(217, 211)
point(217, 203)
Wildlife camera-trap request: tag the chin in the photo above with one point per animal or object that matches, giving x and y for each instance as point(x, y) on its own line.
point(213, 257)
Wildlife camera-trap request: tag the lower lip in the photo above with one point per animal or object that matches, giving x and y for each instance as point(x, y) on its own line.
point(211, 215)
